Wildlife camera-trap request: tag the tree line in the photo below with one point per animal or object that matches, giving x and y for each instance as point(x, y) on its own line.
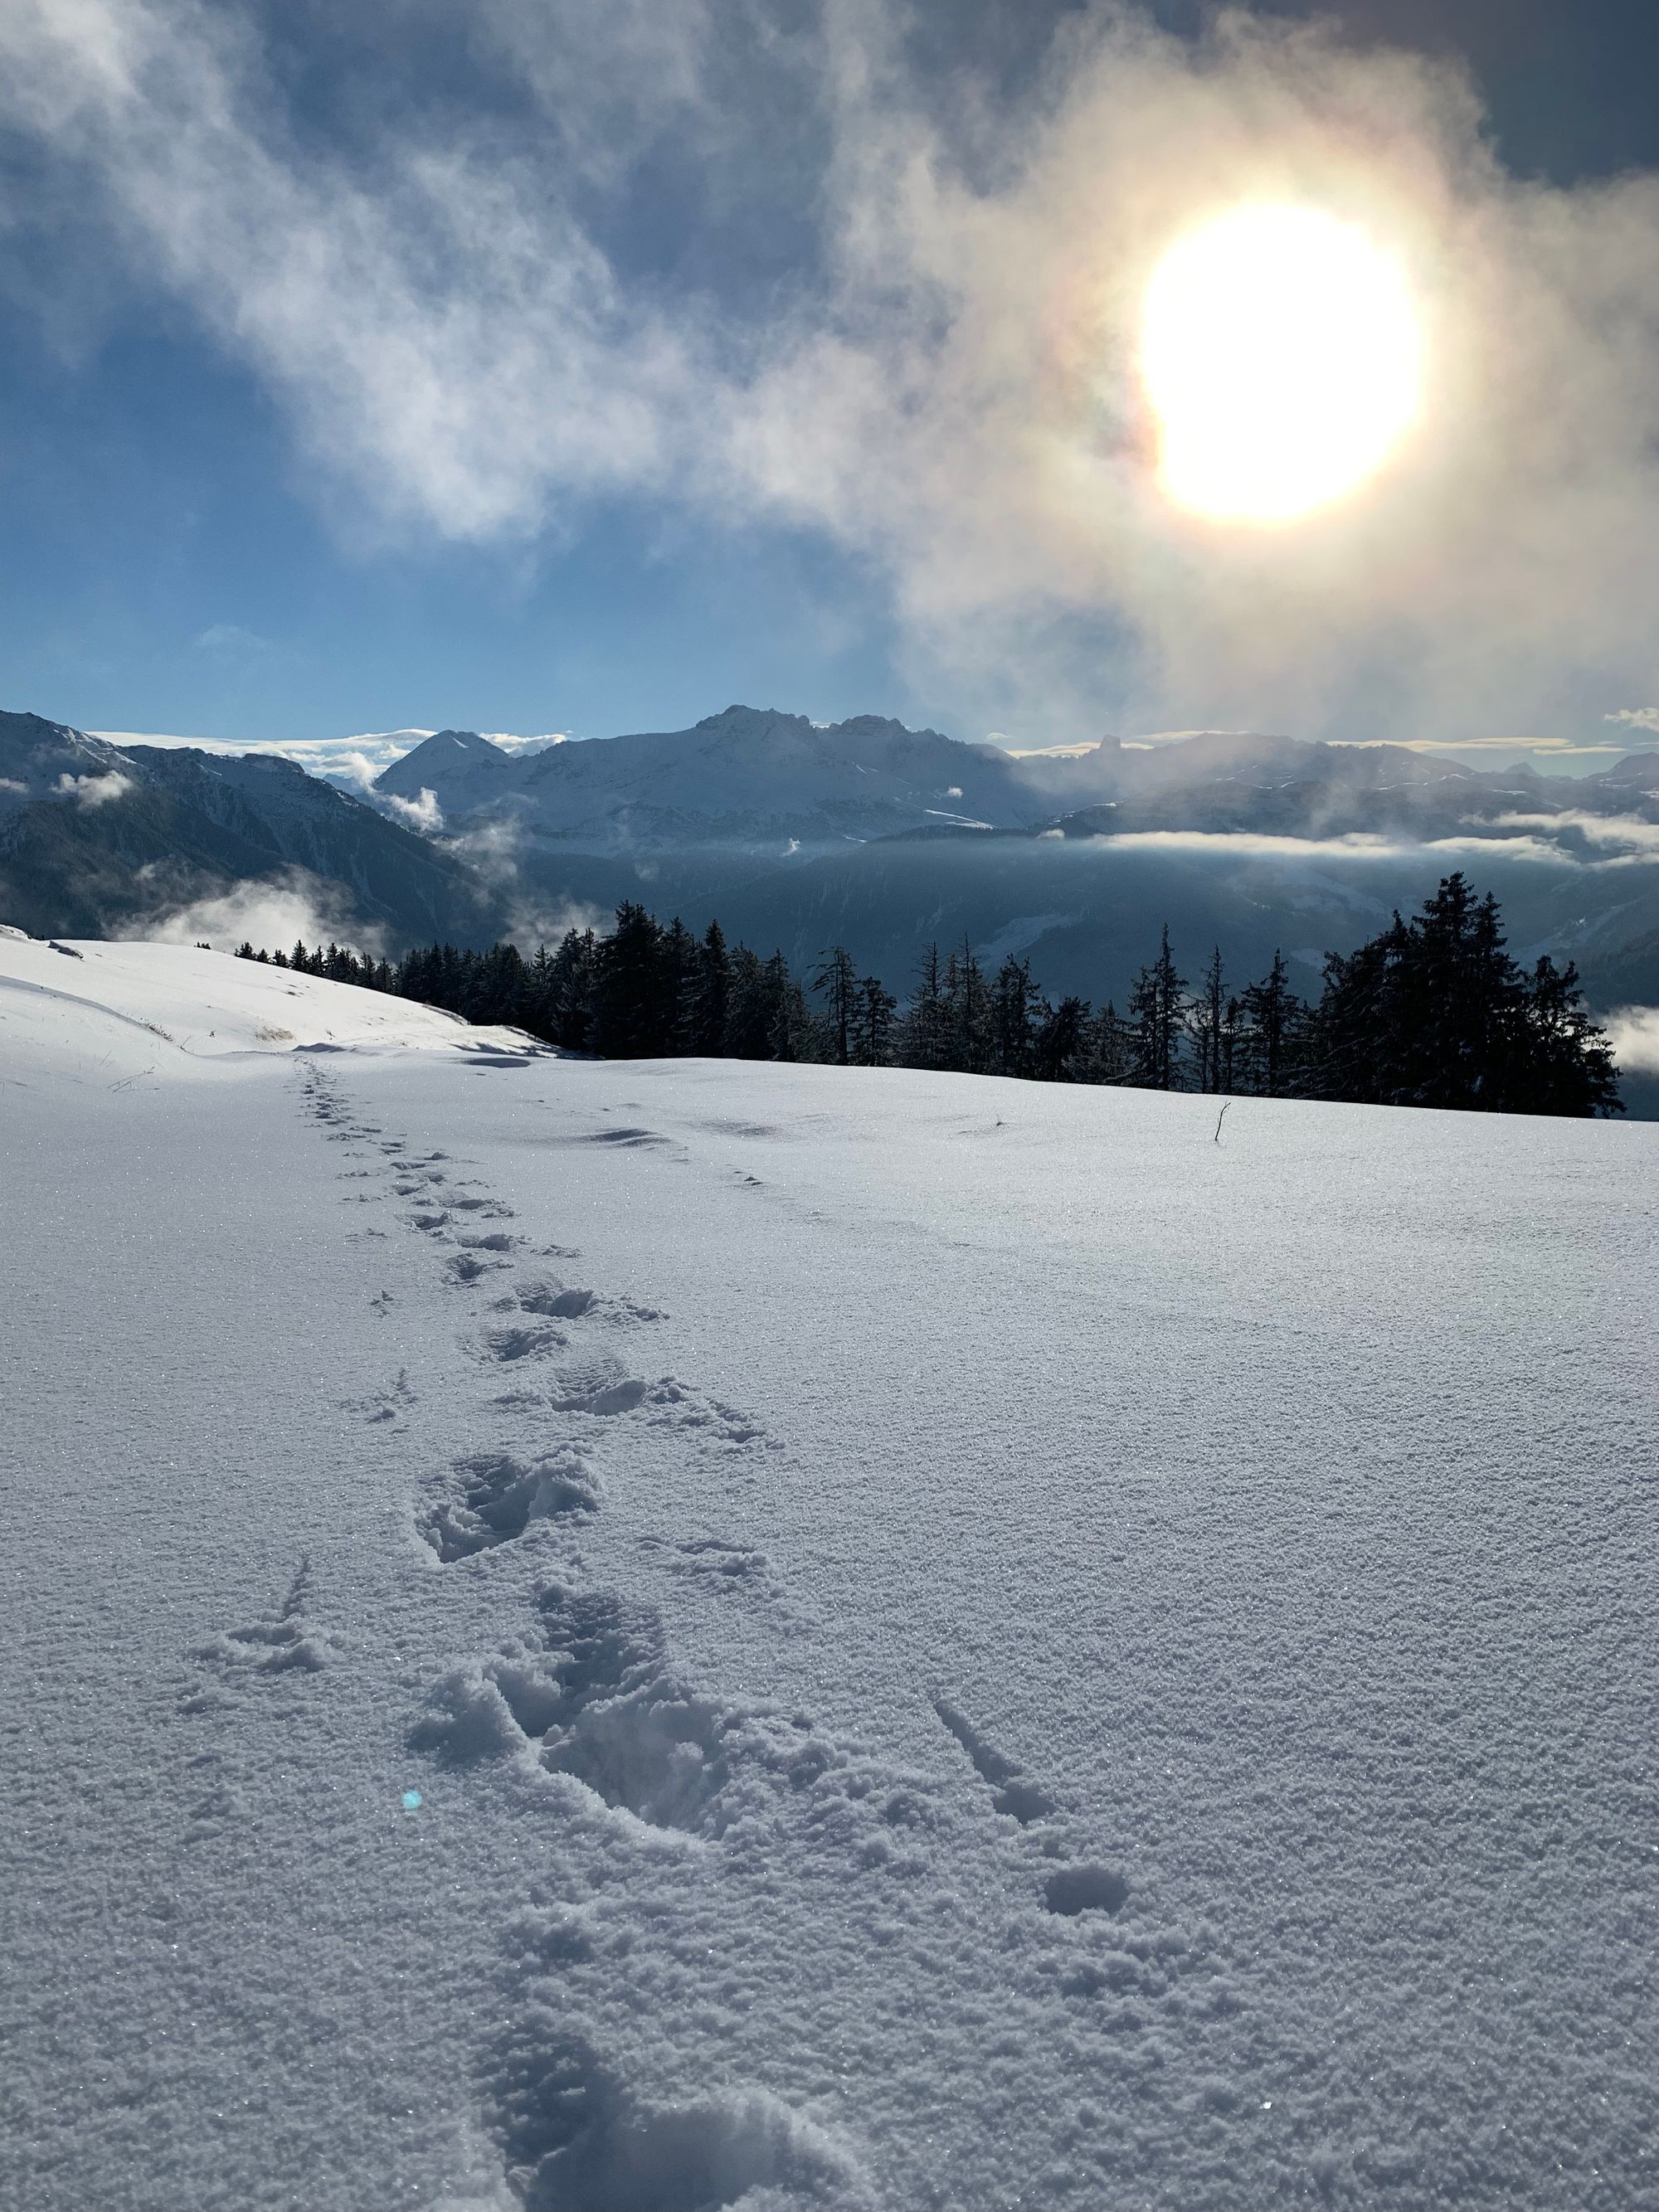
point(1434, 1011)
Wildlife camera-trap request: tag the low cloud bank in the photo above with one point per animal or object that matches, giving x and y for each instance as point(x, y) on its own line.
point(271, 914)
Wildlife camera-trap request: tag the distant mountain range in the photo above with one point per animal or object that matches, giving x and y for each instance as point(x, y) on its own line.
point(864, 832)
point(760, 781)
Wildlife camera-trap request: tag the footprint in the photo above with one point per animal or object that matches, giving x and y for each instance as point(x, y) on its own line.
point(533, 1340)
point(1091, 1889)
point(563, 1302)
point(557, 1304)
point(1022, 1800)
point(590, 1696)
point(491, 1498)
point(464, 1269)
point(576, 2137)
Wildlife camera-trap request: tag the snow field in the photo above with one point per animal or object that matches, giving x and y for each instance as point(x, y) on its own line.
point(622, 1639)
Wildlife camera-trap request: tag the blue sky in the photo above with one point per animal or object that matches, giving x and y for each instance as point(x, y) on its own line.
point(657, 423)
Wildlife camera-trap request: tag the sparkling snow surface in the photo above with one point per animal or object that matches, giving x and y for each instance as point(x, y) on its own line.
point(641, 1636)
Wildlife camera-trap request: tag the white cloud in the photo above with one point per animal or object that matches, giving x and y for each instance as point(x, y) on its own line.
point(953, 394)
point(1635, 718)
point(272, 915)
point(1625, 835)
point(1633, 1032)
point(231, 641)
point(90, 791)
point(423, 814)
point(1356, 846)
point(447, 339)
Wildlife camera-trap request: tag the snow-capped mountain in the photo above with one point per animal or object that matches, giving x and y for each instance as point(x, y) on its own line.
point(96, 837)
point(764, 782)
point(747, 777)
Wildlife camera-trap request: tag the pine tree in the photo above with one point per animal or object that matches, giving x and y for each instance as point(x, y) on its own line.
point(927, 1042)
point(750, 1013)
point(1017, 1008)
point(712, 993)
point(1109, 1048)
point(1207, 1018)
point(1059, 1051)
point(1271, 1023)
point(967, 1013)
point(872, 1023)
point(630, 1008)
point(1156, 1006)
point(837, 979)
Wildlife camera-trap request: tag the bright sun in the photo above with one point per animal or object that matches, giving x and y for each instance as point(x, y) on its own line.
point(1281, 354)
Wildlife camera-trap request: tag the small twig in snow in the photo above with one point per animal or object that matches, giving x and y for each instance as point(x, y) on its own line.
point(1220, 1119)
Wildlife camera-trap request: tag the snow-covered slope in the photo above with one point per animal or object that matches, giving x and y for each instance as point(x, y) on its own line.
point(99, 1010)
point(637, 1638)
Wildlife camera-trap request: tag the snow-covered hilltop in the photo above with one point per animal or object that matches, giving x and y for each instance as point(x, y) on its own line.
point(641, 1636)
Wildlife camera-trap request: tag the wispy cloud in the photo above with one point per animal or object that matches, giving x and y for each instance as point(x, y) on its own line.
point(948, 388)
point(271, 915)
point(230, 641)
point(1635, 718)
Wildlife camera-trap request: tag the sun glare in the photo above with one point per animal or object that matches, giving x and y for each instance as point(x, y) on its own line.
point(1281, 354)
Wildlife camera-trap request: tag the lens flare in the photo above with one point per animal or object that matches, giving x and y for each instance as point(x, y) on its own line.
point(1282, 356)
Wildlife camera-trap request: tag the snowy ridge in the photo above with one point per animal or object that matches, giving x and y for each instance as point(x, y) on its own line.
point(655, 1636)
point(121, 1009)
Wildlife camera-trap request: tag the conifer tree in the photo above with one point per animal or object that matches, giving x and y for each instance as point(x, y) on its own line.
point(1271, 1023)
point(630, 1006)
point(927, 1042)
point(711, 993)
point(872, 1023)
point(1059, 1051)
point(1209, 1019)
point(1016, 1009)
point(749, 1018)
point(1156, 1006)
point(967, 1013)
point(837, 979)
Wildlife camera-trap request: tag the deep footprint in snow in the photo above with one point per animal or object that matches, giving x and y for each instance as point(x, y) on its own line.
point(574, 2137)
point(463, 1269)
point(514, 1341)
point(491, 1498)
point(589, 1693)
point(566, 1302)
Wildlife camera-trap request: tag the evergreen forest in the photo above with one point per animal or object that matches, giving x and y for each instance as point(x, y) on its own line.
point(1434, 1011)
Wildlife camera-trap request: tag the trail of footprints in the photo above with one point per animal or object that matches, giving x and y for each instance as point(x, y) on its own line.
point(585, 1697)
